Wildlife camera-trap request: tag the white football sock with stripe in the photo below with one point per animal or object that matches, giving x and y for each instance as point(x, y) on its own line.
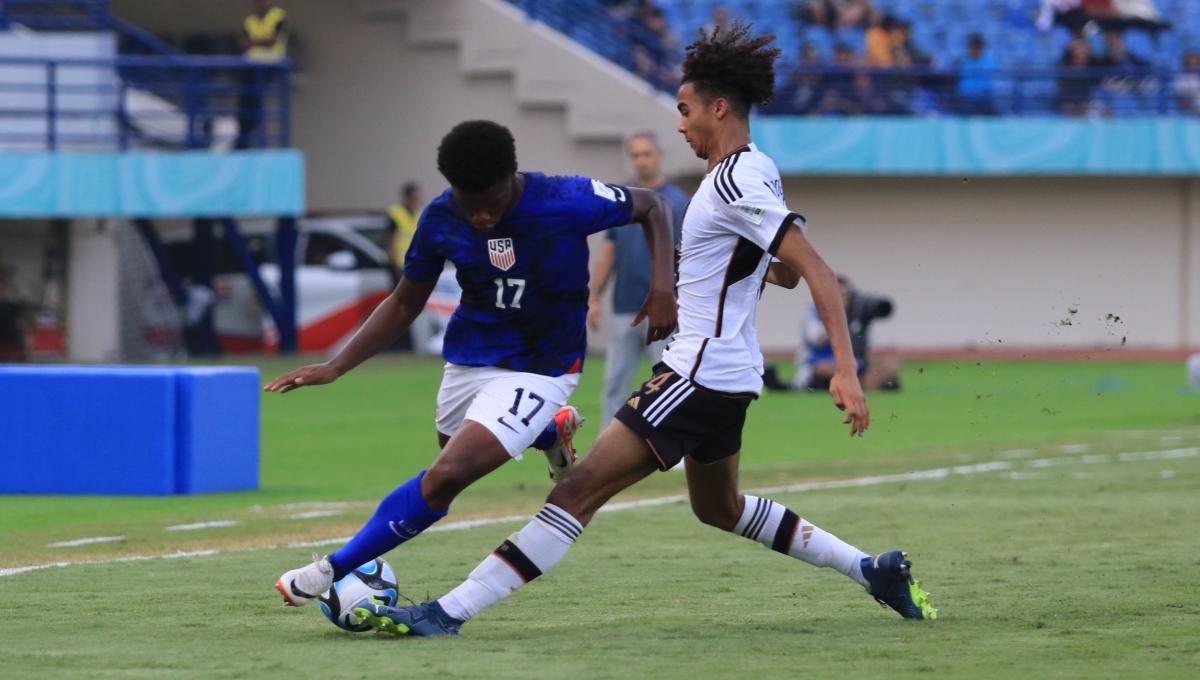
point(525, 556)
point(778, 528)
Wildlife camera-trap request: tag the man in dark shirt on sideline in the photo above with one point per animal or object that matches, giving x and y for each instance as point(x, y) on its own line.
point(627, 261)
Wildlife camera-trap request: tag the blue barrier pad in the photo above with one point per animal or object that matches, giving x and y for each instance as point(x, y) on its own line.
point(128, 430)
point(218, 430)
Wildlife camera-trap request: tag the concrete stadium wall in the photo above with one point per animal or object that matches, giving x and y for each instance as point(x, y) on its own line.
point(1000, 263)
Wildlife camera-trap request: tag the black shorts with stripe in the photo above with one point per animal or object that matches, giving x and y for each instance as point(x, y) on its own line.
point(679, 418)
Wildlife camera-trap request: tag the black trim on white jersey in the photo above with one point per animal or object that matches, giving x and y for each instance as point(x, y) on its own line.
point(723, 182)
point(783, 227)
point(743, 262)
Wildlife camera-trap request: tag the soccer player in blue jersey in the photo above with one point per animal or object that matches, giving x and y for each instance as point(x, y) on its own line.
point(514, 347)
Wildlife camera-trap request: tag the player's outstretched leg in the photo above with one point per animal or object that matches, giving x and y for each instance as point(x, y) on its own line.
point(619, 459)
point(717, 502)
point(471, 453)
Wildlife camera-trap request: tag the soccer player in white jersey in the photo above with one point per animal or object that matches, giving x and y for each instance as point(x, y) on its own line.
point(738, 235)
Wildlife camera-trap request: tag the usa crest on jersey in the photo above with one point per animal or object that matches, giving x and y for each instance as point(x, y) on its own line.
point(501, 253)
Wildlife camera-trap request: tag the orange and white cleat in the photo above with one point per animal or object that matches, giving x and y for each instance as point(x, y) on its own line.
point(561, 455)
point(305, 584)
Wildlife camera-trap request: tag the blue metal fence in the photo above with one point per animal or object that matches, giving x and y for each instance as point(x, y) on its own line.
point(73, 15)
point(1130, 91)
point(165, 101)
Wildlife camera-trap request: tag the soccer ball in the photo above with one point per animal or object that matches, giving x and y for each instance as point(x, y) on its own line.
point(375, 579)
point(1194, 370)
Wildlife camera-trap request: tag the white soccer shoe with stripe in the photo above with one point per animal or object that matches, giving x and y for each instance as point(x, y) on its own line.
point(303, 585)
point(561, 455)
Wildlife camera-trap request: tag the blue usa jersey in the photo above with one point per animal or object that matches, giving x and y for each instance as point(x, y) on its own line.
point(525, 283)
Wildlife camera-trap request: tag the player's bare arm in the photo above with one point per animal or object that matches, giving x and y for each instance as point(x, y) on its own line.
point(654, 214)
point(779, 274)
point(390, 319)
point(601, 275)
point(798, 254)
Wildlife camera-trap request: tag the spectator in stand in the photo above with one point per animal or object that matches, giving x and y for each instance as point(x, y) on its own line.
point(264, 40)
point(1118, 56)
point(839, 14)
point(1187, 85)
point(1128, 85)
point(803, 91)
point(904, 52)
point(977, 80)
point(879, 43)
point(899, 91)
point(1076, 83)
point(846, 88)
point(656, 51)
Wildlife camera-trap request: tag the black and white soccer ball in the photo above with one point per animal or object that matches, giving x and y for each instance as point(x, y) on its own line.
point(374, 580)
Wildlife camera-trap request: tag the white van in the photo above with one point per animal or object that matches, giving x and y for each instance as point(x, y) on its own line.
point(342, 274)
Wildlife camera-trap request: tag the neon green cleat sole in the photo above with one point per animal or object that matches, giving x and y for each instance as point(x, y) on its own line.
point(921, 599)
point(381, 624)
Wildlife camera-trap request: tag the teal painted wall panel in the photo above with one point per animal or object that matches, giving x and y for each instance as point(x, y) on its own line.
point(981, 146)
point(149, 184)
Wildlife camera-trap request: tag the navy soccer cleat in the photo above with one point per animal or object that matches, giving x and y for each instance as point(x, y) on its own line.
point(892, 585)
point(422, 620)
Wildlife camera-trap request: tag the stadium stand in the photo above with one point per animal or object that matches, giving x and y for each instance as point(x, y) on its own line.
point(107, 123)
point(76, 76)
point(1133, 66)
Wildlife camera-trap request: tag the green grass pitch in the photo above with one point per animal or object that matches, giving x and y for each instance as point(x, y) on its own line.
point(1074, 554)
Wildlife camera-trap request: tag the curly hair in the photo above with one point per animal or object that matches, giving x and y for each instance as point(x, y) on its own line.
point(476, 155)
point(731, 63)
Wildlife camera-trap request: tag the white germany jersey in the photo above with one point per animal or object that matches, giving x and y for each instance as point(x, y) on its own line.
point(733, 226)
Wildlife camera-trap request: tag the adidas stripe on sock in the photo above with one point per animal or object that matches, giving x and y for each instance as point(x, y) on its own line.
point(781, 530)
point(525, 556)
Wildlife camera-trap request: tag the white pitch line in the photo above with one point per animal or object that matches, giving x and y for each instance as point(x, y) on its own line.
point(85, 541)
point(936, 473)
point(314, 514)
point(319, 505)
point(203, 525)
point(131, 558)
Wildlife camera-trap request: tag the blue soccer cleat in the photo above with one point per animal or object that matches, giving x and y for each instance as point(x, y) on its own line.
point(422, 620)
point(892, 585)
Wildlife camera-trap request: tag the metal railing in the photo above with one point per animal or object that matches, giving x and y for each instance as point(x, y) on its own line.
point(74, 15)
point(1020, 91)
point(175, 102)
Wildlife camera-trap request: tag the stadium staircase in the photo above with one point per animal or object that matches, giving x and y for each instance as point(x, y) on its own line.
point(601, 101)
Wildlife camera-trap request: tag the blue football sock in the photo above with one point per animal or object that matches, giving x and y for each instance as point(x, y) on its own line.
point(400, 516)
point(548, 436)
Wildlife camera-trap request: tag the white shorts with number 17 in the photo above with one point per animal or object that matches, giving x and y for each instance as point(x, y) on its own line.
point(514, 406)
